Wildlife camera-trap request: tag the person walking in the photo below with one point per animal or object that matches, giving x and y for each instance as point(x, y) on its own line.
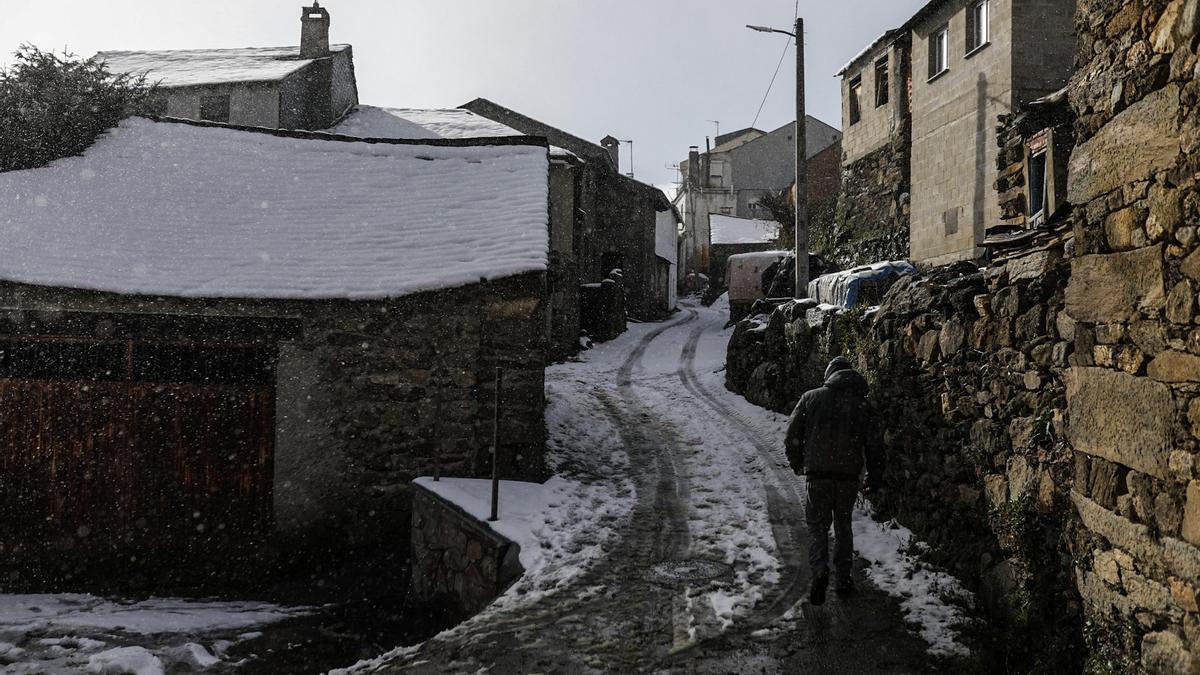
point(830, 438)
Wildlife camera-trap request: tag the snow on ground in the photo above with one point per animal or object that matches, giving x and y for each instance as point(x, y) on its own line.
point(587, 500)
point(592, 493)
point(930, 598)
point(71, 632)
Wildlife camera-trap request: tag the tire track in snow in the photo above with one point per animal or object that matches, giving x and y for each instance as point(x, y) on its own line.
point(784, 504)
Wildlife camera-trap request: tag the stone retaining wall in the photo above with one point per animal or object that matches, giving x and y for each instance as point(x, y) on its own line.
point(457, 561)
point(1133, 391)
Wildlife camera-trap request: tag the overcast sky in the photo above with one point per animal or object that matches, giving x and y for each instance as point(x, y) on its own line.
point(654, 71)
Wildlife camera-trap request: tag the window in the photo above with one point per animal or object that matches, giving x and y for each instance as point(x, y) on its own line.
point(214, 108)
point(1037, 188)
point(855, 91)
point(938, 44)
point(716, 173)
point(977, 25)
point(881, 82)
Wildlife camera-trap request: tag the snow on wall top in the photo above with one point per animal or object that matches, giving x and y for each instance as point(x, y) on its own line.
point(731, 230)
point(192, 67)
point(374, 122)
point(174, 209)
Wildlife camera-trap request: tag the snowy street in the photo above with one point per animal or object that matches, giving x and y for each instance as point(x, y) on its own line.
point(657, 463)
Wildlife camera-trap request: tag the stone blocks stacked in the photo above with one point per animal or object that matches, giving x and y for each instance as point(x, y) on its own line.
point(1135, 376)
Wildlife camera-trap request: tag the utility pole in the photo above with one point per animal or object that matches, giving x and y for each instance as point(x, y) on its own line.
point(801, 136)
point(801, 169)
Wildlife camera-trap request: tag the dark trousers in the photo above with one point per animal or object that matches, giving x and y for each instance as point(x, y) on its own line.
point(828, 502)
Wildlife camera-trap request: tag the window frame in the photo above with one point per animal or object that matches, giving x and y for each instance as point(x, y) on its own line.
point(854, 100)
point(939, 51)
point(979, 21)
point(883, 85)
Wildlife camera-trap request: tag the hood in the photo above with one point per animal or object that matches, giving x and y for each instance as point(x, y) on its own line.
point(838, 363)
point(847, 381)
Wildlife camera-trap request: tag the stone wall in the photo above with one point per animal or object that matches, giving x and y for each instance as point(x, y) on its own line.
point(371, 394)
point(1132, 391)
point(1044, 432)
point(457, 562)
point(966, 375)
point(872, 218)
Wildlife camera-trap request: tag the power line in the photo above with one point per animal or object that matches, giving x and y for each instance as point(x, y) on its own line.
point(786, 44)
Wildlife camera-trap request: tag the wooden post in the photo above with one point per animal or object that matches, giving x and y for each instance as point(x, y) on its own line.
point(496, 449)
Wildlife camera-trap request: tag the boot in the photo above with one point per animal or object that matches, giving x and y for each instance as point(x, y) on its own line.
point(816, 592)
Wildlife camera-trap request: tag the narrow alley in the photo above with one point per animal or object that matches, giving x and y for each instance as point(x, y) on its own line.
point(701, 567)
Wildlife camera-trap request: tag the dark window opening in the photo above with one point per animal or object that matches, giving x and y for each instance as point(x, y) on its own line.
point(1037, 189)
point(214, 108)
point(881, 82)
point(45, 360)
point(853, 96)
point(201, 364)
point(84, 360)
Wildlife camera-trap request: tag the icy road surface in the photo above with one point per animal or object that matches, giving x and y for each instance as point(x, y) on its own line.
point(658, 462)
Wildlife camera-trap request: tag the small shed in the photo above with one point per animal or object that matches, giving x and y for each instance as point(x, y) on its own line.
point(221, 343)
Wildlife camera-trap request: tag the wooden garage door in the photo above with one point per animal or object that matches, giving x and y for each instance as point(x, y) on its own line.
point(112, 448)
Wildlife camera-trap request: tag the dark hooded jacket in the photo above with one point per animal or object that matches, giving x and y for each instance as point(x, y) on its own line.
point(832, 432)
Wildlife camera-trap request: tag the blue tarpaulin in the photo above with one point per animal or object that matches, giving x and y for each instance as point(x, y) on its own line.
point(846, 288)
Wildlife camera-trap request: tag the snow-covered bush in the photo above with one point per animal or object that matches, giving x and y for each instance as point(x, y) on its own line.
point(53, 105)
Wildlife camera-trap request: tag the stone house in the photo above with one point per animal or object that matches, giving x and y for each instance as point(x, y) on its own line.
point(618, 215)
point(204, 364)
point(306, 87)
point(745, 165)
point(967, 63)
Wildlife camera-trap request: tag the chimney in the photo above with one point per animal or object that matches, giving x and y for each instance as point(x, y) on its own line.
point(613, 146)
point(314, 32)
point(694, 166)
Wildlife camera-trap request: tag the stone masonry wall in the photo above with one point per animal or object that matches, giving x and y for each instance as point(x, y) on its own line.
point(457, 561)
point(369, 394)
point(966, 377)
point(873, 207)
point(1044, 415)
point(1133, 391)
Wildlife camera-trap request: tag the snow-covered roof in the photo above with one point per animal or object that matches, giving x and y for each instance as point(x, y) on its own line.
point(375, 122)
point(873, 46)
point(192, 67)
point(731, 230)
point(175, 209)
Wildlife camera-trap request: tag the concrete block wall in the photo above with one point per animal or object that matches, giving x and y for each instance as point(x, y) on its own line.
point(953, 133)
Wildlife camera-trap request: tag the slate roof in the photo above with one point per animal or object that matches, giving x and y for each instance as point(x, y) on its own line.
point(194, 67)
point(195, 210)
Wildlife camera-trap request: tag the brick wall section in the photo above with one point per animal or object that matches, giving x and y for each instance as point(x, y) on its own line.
point(1132, 389)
